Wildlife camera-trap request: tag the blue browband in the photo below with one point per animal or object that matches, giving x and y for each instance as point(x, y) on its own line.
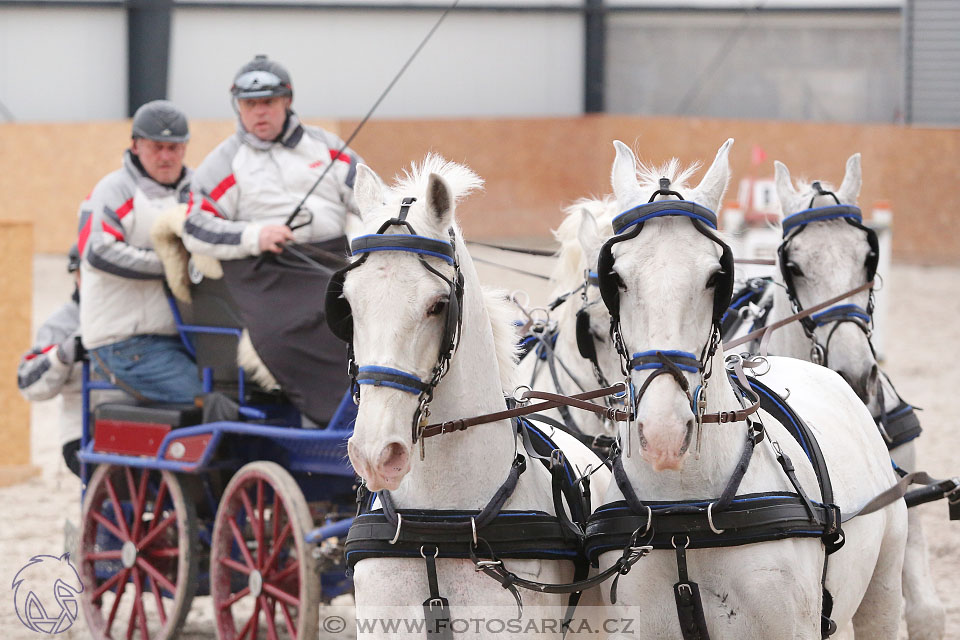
point(821, 213)
point(840, 311)
point(649, 210)
point(404, 242)
point(393, 378)
point(684, 360)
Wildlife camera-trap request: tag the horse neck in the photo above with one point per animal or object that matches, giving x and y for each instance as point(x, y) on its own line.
point(462, 470)
point(704, 476)
point(789, 340)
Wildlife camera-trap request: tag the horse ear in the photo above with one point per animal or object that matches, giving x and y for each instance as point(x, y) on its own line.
point(711, 189)
point(849, 190)
point(368, 190)
point(785, 191)
point(589, 236)
point(623, 177)
point(439, 200)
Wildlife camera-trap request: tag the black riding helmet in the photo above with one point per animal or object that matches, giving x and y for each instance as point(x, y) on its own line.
point(161, 120)
point(261, 78)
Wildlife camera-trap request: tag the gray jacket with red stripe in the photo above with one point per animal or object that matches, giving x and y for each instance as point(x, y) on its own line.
point(246, 183)
point(121, 276)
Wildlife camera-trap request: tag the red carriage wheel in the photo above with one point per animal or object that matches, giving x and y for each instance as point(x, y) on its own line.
point(137, 554)
point(262, 575)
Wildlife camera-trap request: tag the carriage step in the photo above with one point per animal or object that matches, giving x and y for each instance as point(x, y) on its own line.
point(130, 429)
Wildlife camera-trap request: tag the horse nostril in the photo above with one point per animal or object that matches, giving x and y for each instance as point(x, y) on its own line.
point(393, 457)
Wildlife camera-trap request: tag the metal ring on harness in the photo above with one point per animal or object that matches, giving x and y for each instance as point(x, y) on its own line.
point(436, 550)
point(710, 519)
point(473, 527)
point(396, 536)
point(521, 396)
point(673, 541)
point(534, 320)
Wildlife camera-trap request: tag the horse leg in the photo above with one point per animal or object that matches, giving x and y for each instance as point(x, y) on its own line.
point(878, 616)
point(926, 619)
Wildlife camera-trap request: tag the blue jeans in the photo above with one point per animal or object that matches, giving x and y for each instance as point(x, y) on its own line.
point(157, 367)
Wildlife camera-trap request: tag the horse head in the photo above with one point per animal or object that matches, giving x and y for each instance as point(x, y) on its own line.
point(659, 286)
point(824, 258)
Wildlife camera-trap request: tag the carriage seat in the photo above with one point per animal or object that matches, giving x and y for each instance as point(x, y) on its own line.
point(138, 429)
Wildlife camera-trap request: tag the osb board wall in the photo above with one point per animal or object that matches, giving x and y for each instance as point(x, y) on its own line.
point(16, 282)
point(533, 166)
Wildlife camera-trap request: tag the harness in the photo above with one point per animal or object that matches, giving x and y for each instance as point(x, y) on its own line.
point(793, 225)
point(730, 519)
point(487, 536)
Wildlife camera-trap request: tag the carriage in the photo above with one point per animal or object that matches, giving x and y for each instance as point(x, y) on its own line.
point(235, 500)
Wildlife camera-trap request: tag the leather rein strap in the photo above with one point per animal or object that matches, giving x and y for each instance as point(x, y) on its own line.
point(764, 332)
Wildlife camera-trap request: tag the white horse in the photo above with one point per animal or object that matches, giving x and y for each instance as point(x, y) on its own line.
point(398, 315)
point(665, 277)
point(574, 372)
point(825, 260)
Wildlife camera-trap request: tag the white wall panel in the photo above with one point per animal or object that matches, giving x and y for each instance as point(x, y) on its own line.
point(476, 64)
point(61, 63)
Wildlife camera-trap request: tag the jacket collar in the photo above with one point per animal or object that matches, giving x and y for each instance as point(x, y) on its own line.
point(148, 185)
point(290, 137)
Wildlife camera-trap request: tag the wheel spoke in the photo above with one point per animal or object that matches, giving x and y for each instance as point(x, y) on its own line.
point(240, 541)
point(287, 571)
point(280, 594)
point(121, 519)
point(268, 612)
point(277, 546)
point(157, 576)
point(158, 503)
point(159, 598)
point(138, 606)
point(251, 623)
point(229, 602)
point(105, 555)
point(167, 552)
point(276, 522)
point(259, 530)
point(254, 522)
point(291, 628)
point(236, 566)
point(102, 589)
point(148, 539)
point(141, 504)
point(109, 526)
point(121, 589)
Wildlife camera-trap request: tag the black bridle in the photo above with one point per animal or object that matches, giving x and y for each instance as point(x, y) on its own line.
point(340, 315)
point(627, 226)
point(839, 314)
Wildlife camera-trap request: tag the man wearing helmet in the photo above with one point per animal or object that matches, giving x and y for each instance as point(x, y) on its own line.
point(243, 193)
point(125, 320)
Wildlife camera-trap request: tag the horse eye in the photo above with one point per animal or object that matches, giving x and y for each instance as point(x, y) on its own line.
point(438, 307)
point(794, 269)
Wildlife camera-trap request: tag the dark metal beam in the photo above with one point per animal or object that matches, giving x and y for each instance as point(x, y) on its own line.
point(148, 51)
point(594, 55)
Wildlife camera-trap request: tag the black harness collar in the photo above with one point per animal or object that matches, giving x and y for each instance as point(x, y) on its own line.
point(793, 225)
point(729, 520)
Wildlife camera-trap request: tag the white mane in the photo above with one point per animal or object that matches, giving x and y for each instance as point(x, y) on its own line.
point(568, 272)
point(413, 181)
point(506, 335)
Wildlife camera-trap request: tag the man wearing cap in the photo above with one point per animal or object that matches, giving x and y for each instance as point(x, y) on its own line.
point(125, 320)
point(243, 194)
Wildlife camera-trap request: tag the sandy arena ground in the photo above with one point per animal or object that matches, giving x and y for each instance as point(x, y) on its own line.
point(922, 351)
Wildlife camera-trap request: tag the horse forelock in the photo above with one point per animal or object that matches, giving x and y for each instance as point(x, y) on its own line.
point(648, 176)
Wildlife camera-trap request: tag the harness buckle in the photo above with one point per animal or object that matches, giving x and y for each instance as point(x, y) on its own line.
point(556, 458)
point(639, 552)
point(480, 565)
point(439, 602)
point(683, 586)
point(953, 496)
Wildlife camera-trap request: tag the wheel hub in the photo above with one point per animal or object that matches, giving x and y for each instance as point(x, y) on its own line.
point(128, 554)
point(255, 583)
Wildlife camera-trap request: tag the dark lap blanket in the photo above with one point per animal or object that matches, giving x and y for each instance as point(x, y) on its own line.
point(281, 303)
